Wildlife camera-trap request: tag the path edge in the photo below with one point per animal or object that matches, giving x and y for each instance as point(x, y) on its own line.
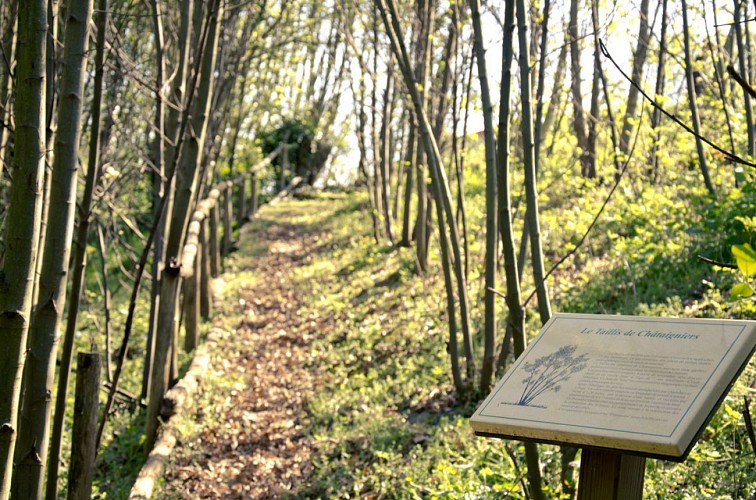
point(174, 400)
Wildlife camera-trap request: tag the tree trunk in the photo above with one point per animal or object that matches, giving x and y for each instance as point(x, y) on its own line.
point(383, 148)
point(22, 231)
point(34, 427)
point(659, 91)
point(577, 97)
point(159, 189)
point(639, 60)
point(599, 76)
point(492, 235)
point(410, 166)
point(544, 306)
point(692, 102)
point(425, 10)
point(593, 117)
point(541, 83)
point(186, 180)
point(444, 209)
point(556, 94)
point(82, 236)
point(178, 98)
point(375, 133)
point(742, 66)
point(532, 214)
point(6, 83)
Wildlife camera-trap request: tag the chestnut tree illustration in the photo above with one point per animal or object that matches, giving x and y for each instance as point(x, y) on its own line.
point(547, 373)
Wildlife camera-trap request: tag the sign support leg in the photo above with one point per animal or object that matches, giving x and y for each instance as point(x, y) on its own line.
point(606, 475)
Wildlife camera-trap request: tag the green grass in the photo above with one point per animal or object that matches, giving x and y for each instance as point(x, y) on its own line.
point(386, 421)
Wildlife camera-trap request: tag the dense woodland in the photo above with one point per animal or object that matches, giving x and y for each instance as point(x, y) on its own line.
point(502, 161)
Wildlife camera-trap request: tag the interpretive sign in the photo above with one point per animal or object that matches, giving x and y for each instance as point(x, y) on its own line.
point(640, 385)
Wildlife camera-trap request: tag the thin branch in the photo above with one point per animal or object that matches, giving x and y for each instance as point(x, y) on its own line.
point(725, 265)
point(598, 214)
point(730, 156)
point(734, 23)
point(741, 81)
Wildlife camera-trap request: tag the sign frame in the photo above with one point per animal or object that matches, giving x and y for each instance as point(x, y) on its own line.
point(745, 344)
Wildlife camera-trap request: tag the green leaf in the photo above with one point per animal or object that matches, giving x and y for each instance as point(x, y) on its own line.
point(745, 256)
point(741, 291)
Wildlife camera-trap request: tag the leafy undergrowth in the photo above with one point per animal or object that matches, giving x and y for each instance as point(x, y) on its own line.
point(377, 415)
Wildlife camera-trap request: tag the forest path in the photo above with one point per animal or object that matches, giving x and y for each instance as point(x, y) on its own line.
point(243, 437)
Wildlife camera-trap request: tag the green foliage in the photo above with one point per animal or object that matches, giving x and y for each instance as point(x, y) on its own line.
point(294, 132)
point(745, 256)
point(306, 154)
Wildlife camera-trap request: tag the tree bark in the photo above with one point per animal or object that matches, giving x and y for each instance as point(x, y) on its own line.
point(6, 83)
point(82, 236)
point(22, 231)
point(32, 445)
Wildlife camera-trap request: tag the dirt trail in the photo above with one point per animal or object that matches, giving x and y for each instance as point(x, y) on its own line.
point(258, 450)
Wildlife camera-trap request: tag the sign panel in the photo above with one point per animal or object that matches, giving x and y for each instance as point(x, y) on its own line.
point(642, 385)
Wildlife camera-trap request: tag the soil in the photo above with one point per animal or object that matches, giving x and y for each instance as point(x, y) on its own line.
point(259, 450)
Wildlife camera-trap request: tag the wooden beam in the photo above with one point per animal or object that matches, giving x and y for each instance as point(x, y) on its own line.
point(606, 475)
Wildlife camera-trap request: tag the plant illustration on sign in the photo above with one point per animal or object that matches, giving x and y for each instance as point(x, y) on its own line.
point(546, 373)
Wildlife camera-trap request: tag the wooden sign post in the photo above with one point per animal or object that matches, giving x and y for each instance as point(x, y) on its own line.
point(622, 388)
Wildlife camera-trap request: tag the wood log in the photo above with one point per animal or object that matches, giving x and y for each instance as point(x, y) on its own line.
point(152, 470)
point(173, 402)
point(175, 398)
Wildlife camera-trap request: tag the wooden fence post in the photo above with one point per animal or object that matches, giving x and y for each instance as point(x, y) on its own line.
point(253, 196)
point(284, 162)
point(206, 299)
point(192, 306)
point(84, 437)
point(604, 474)
point(228, 192)
point(214, 246)
point(242, 201)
